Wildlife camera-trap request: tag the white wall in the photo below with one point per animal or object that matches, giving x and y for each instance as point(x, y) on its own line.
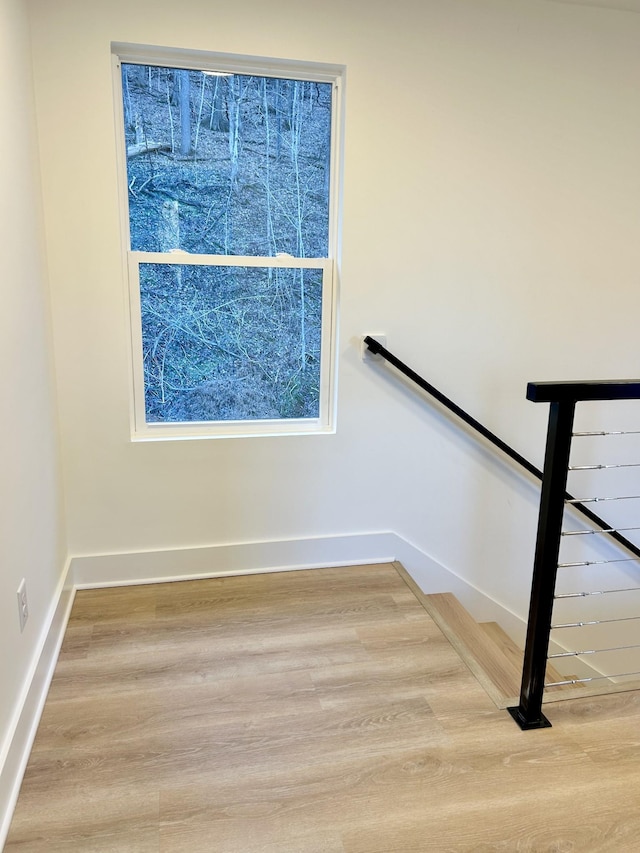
point(491, 201)
point(31, 539)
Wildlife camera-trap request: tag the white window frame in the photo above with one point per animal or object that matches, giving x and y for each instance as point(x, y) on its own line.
point(141, 430)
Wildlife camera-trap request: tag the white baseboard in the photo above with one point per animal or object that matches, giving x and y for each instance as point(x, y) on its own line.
point(103, 570)
point(17, 745)
point(231, 559)
point(290, 555)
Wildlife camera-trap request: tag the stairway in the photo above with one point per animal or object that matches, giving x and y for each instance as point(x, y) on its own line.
point(496, 665)
point(491, 655)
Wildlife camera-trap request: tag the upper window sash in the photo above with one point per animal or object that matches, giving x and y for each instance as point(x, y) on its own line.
point(222, 64)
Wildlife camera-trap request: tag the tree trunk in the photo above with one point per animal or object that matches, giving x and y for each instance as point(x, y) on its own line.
point(185, 113)
point(218, 119)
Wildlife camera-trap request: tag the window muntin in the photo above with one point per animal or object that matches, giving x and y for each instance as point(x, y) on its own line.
point(231, 228)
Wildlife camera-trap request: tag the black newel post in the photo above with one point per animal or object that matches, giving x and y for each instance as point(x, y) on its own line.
point(528, 714)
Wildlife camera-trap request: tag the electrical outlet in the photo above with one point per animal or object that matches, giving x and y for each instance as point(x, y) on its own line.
point(23, 607)
point(365, 352)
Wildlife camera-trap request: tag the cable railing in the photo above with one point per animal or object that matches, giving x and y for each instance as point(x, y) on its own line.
point(563, 398)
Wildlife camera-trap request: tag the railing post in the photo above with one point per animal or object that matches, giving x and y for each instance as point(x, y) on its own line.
point(528, 714)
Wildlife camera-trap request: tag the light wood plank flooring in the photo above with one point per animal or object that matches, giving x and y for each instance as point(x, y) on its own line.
point(306, 712)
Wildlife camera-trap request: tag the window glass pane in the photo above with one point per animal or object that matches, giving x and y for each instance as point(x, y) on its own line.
point(226, 163)
point(230, 343)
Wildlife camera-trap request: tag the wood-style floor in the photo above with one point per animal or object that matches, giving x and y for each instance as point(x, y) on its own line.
point(306, 712)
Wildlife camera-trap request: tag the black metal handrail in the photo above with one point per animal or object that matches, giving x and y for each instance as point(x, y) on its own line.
point(538, 388)
point(377, 349)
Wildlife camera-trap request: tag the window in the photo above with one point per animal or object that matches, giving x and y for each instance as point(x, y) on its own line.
point(229, 170)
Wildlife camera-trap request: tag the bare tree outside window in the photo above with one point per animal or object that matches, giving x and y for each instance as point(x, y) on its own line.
point(233, 165)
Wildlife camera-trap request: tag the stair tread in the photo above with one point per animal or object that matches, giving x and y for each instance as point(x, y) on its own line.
point(492, 656)
point(512, 651)
point(504, 642)
point(494, 668)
